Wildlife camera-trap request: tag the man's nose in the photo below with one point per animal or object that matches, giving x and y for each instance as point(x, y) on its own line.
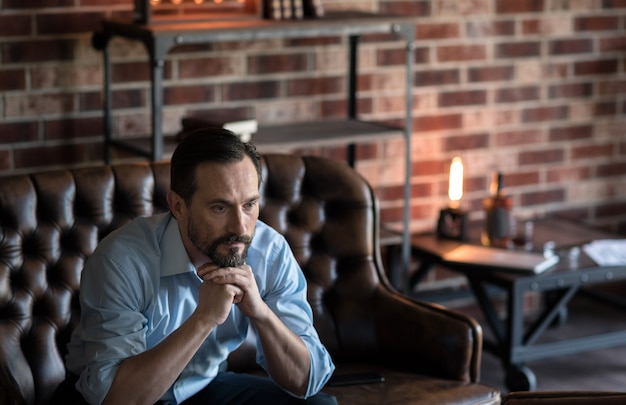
point(237, 225)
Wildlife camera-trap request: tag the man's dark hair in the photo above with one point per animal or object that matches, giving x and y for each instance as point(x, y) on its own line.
point(207, 145)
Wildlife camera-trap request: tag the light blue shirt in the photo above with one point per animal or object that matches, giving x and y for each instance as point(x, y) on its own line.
point(139, 286)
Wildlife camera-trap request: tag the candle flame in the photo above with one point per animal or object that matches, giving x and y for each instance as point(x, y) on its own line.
point(455, 187)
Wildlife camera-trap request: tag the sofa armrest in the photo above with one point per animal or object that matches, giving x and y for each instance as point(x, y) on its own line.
point(427, 338)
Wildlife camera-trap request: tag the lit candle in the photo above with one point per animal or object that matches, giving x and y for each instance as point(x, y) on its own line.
point(455, 187)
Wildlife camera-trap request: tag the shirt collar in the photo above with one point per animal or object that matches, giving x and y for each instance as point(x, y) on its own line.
point(174, 257)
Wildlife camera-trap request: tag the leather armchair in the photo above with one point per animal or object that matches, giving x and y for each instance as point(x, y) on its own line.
point(51, 222)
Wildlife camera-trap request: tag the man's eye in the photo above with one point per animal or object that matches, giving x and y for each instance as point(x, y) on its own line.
point(219, 208)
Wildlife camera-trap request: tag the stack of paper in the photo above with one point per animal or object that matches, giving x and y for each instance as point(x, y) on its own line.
point(607, 252)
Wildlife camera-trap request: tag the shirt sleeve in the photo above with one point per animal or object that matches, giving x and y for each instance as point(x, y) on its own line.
point(284, 290)
point(113, 326)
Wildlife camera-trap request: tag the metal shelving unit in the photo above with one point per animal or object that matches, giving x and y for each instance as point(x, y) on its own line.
point(160, 38)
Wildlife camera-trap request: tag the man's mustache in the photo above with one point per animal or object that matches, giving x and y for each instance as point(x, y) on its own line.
point(234, 239)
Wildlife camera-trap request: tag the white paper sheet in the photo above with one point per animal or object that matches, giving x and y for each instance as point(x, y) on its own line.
point(607, 252)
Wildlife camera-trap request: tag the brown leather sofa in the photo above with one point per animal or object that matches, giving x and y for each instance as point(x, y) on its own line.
point(51, 222)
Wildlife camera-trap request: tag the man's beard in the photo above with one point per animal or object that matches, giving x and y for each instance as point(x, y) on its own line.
point(210, 249)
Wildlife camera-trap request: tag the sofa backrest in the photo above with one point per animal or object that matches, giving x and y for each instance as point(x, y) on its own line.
point(51, 222)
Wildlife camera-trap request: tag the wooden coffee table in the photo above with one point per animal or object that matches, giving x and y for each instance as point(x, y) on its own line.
point(516, 338)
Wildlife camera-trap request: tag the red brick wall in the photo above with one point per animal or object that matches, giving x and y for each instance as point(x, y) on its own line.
point(534, 88)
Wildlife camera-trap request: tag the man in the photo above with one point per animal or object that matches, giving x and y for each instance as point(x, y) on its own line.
point(165, 299)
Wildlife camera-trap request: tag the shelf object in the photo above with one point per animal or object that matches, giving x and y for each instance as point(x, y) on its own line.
point(159, 39)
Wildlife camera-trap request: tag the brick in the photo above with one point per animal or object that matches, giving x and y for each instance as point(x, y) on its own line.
point(417, 8)
point(128, 98)
point(35, 105)
point(120, 99)
point(570, 46)
point(316, 86)
point(480, 29)
point(73, 128)
point(541, 157)
point(519, 137)
point(573, 90)
point(38, 51)
point(458, 53)
point(65, 76)
point(615, 44)
point(264, 64)
point(12, 79)
point(124, 72)
point(596, 23)
point(462, 98)
point(366, 151)
point(437, 122)
point(519, 6)
point(210, 67)
point(490, 73)
point(547, 25)
point(605, 108)
point(58, 155)
point(418, 190)
point(18, 132)
point(611, 169)
point(466, 142)
point(517, 94)
point(611, 88)
point(568, 174)
point(248, 91)
point(596, 67)
point(540, 114)
point(25, 4)
point(571, 133)
point(437, 77)
point(364, 82)
point(521, 179)
point(426, 167)
point(543, 197)
point(337, 108)
point(67, 23)
point(15, 25)
point(90, 101)
point(592, 152)
point(426, 31)
point(611, 4)
point(577, 5)
point(177, 95)
point(518, 49)
point(397, 57)
point(455, 8)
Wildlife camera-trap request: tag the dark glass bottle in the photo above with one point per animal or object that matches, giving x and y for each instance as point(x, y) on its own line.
point(497, 232)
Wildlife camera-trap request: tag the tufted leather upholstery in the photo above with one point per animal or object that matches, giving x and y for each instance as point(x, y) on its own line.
point(51, 222)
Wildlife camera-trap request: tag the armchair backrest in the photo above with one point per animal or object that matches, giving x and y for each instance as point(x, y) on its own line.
point(51, 222)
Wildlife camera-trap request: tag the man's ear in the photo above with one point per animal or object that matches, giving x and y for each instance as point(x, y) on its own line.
point(176, 203)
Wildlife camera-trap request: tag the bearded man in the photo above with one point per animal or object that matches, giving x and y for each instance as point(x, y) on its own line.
point(165, 299)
